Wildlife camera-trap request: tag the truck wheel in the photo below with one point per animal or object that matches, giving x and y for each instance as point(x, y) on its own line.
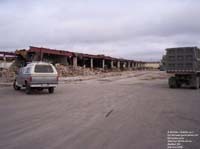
point(195, 82)
point(15, 85)
point(199, 82)
point(172, 82)
point(51, 90)
point(28, 89)
point(178, 84)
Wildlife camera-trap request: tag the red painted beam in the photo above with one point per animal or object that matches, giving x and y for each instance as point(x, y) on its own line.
point(50, 51)
point(7, 53)
point(70, 54)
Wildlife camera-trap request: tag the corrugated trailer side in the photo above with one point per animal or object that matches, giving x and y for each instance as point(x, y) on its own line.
point(184, 63)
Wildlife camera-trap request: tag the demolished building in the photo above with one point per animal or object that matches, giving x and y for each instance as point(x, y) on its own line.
point(73, 63)
point(78, 59)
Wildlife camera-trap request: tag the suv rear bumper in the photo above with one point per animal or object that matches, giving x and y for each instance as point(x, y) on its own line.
point(43, 85)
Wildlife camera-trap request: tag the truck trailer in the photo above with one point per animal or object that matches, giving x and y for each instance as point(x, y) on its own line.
point(184, 65)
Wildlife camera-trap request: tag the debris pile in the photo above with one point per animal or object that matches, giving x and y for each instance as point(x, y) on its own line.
point(67, 71)
point(7, 75)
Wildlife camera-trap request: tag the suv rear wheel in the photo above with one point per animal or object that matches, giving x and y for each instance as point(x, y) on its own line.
point(28, 89)
point(15, 85)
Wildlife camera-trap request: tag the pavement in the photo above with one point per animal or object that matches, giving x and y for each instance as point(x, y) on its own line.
point(130, 111)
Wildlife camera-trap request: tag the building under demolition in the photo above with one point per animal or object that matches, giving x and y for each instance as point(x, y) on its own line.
point(75, 59)
point(67, 63)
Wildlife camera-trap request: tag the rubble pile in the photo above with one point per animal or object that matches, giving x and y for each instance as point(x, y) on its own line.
point(66, 71)
point(7, 75)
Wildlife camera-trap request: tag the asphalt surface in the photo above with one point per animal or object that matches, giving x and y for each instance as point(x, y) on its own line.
point(134, 112)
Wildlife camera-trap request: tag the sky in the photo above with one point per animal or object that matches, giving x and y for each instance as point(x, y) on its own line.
point(133, 29)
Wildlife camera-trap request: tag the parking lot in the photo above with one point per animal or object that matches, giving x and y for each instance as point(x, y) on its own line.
point(132, 112)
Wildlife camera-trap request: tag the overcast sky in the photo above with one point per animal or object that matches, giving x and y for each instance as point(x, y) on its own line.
point(131, 29)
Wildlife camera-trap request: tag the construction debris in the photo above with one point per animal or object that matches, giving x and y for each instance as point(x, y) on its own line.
point(7, 75)
point(67, 71)
point(68, 64)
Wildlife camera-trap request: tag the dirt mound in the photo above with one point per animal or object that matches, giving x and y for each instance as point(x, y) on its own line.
point(65, 71)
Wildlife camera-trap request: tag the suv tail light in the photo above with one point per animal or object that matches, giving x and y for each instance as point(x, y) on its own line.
point(30, 79)
point(57, 78)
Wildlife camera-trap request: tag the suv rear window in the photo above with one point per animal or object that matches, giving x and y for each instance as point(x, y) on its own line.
point(43, 69)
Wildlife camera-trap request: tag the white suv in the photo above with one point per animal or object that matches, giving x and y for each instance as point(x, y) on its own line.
point(38, 75)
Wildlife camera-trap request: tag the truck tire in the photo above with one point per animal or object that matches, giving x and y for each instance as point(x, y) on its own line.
point(51, 90)
point(199, 82)
point(194, 82)
point(172, 82)
point(28, 89)
point(178, 84)
point(15, 85)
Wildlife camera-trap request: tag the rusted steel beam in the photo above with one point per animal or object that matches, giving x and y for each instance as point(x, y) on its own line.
point(50, 51)
point(94, 56)
point(41, 51)
point(7, 53)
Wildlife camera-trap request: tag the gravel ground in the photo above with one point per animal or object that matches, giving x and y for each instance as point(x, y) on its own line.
point(129, 111)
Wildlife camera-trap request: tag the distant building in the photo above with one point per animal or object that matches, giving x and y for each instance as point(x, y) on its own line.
point(152, 65)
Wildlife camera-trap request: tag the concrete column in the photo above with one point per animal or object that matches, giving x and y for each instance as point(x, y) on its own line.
point(84, 66)
point(41, 56)
point(129, 65)
point(133, 65)
point(4, 61)
point(4, 57)
point(103, 63)
point(75, 62)
point(139, 65)
point(112, 64)
point(124, 65)
point(118, 64)
point(91, 63)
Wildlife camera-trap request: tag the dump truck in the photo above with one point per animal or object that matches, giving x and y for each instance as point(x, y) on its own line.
point(184, 65)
